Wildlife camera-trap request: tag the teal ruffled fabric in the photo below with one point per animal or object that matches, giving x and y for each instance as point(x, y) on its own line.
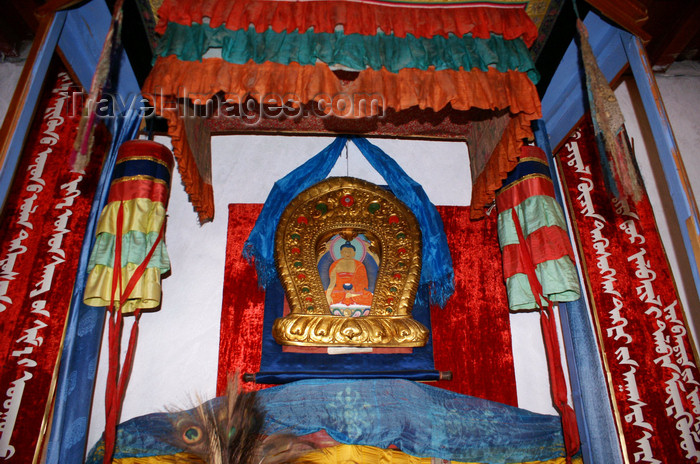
point(353, 51)
point(135, 247)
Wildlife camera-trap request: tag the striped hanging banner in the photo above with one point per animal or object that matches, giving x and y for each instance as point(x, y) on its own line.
point(140, 187)
point(529, 191)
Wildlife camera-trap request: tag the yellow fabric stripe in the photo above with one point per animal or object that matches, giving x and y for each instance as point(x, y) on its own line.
point(355, 454)
point(178, 458)
point(145, 295)
point(140, 214)
point(361, 454)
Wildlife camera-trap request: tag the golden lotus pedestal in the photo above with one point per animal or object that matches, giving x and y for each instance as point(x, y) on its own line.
point(324, 330)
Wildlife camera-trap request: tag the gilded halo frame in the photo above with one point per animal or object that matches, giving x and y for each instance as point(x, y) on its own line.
point(349, 208)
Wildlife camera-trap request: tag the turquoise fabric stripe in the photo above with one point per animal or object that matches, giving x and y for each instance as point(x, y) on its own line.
point(352, 51)
point(559, 282)
point(540, 211)
point(135, 247)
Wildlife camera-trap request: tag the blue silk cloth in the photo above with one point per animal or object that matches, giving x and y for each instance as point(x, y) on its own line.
point(420, 420)
point(437, 273)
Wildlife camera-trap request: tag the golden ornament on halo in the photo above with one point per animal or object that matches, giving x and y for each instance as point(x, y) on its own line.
point(348, 254)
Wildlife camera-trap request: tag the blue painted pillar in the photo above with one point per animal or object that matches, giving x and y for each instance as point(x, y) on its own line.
point(669, 155)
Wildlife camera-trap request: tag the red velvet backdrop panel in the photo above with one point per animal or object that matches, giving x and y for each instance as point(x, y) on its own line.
point(471, 335)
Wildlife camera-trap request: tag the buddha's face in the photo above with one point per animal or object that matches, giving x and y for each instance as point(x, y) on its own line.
point(347, 253)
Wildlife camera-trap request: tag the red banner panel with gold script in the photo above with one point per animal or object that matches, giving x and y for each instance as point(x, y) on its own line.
point(41, 234)
point(652, 373)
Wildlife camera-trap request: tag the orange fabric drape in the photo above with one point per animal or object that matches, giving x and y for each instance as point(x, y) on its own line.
point(200, 192)
point(507, 19)
point(172, 79)
point(503, 160)
point(463, 90)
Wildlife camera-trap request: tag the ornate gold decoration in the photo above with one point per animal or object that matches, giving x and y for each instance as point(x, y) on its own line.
point(314, 229)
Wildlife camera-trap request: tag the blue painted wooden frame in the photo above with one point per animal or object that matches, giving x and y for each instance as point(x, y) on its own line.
point(36, 81)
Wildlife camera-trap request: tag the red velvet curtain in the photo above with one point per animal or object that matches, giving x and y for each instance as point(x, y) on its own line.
point(471, 335)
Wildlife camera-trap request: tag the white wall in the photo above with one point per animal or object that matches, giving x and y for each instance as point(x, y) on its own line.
point(680, 91)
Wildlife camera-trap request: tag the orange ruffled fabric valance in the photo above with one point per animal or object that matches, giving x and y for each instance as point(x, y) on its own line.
point(201, 80)
point(172, 81)
point(506, 18)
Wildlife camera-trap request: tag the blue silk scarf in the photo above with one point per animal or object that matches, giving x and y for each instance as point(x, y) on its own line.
point(437, 273)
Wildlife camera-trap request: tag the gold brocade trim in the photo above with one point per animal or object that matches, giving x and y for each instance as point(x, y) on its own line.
point(178, 458)
point(146, 158)
point(532, 158)
point(155, 180)
point(346, 454)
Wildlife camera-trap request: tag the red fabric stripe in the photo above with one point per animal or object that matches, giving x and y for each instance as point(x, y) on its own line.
point(132, 189)
point(544, 244)
point(523, 189)
point(551, 345)
point(531, 151)
point(145, 149)
point(510, 21)
point(116, 378)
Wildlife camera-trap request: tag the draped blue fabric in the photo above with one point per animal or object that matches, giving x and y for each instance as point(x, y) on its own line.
point(437, 272)
point(278, 366)
point(354, 51)
point(260, 245)
point(420, 420)
point(81, 345)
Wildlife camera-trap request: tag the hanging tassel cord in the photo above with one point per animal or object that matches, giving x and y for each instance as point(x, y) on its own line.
point(117, 379)
point(548, 324)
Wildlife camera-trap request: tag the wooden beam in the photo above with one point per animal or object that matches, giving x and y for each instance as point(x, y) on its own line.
point(663, 52)
point(628, 14)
